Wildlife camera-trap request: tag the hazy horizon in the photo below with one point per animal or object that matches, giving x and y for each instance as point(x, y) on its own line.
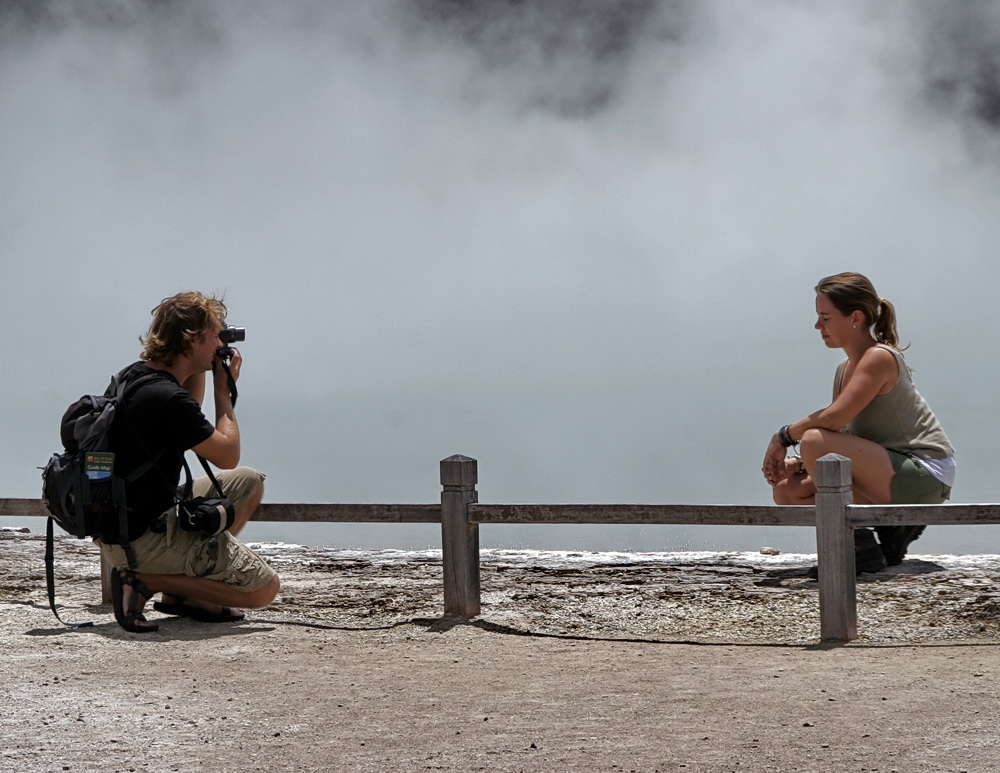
point(574, 240)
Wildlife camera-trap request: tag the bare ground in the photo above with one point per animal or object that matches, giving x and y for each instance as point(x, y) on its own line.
point(650, 666)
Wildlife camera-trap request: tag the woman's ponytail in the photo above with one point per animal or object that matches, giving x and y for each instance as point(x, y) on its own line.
point(884, 324)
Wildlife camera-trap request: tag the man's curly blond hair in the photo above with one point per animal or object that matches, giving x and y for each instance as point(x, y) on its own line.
point(177, 322)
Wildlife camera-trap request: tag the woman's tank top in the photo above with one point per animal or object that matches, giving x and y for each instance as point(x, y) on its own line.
point(901, 420)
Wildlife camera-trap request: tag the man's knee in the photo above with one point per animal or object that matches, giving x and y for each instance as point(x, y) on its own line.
point(258, 494)
point(262, 596)
point(252, 502)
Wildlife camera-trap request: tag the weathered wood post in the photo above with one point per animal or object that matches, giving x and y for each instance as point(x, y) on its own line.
point(105, 580)
point(459, 537)
point(835, 548)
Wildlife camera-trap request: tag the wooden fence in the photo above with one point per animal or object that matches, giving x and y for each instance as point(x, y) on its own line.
point(460, 515)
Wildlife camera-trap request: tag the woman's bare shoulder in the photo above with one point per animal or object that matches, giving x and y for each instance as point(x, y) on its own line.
point(882, 363)
point(881, 354)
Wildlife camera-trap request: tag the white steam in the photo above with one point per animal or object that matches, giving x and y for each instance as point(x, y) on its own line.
point(576, 241)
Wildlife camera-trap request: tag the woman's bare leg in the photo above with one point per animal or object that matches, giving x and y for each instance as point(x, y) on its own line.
point(871, 468)
point(795, 490)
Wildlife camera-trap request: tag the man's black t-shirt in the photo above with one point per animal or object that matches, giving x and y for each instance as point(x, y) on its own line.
point(159, 414)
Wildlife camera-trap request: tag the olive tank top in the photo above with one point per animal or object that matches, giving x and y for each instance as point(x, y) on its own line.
point(900, 420)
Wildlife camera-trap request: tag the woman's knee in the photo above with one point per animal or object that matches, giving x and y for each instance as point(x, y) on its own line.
point(780, 494)
point(793, 492)
point(814, 443)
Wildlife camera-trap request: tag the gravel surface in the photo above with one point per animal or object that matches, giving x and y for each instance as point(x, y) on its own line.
point(579, 661)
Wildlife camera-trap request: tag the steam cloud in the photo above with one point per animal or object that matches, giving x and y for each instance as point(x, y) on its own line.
point(575, 240)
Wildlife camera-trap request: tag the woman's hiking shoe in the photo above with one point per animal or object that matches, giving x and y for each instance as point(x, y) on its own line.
point(872, 567)
point(868, 555)
point(894, 540)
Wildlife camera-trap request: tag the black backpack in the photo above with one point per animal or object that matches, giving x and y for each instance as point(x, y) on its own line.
point(79, 486)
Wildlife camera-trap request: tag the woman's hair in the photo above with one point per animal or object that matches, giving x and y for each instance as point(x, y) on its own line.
point(177, 322)
point(850, 292)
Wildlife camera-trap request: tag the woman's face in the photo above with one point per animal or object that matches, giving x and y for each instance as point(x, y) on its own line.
point(834, 327)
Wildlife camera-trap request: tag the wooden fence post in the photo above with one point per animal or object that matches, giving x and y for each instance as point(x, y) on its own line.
point(459, 537)
point(105, 580)
point(835, 548)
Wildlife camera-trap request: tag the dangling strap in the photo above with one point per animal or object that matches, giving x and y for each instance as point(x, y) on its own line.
point(80, 486)
point(233, 394)
point(118, 495)
point(211, 477)
point(189, 482)
point(50, 578)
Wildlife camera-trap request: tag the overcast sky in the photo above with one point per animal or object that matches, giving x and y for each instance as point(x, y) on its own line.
point(576, 241)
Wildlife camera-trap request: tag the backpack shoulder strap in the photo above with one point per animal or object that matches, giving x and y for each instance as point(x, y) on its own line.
point(121, 386)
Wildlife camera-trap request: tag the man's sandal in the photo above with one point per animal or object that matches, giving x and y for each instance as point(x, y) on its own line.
point(129, 618)
point(202, 615)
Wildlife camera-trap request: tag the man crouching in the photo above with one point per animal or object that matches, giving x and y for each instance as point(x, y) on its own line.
point(199, 575)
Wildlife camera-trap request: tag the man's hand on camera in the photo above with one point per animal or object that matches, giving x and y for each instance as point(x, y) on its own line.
point(234, 361)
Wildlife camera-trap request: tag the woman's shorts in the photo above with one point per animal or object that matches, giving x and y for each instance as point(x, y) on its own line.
point(223, 558)
point(913, 484)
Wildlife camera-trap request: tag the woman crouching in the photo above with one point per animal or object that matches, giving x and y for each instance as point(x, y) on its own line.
point(899, 453)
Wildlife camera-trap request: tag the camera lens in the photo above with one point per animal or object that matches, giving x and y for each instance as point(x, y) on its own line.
point(231, 334)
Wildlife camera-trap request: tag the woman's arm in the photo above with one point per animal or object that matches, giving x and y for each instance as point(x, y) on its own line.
point(876, 374)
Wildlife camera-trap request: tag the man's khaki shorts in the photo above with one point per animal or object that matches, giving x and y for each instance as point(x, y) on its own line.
point(223, 558)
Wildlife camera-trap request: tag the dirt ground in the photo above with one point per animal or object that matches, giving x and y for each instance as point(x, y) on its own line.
point(649, 666)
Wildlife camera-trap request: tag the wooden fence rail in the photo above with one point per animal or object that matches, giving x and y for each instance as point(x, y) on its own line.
point(460, 515)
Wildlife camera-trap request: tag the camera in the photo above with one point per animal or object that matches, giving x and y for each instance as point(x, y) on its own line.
point(209, 516)
point(229, 335)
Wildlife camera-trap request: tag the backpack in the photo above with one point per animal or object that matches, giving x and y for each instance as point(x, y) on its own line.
point(80, 489)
